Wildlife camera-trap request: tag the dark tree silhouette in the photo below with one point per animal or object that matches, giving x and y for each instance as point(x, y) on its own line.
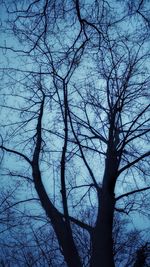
point(142, 256)
point(75, 122)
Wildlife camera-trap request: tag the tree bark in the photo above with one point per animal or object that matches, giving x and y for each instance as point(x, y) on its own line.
point(64, 235)
point(60, 225)
point(102, 242)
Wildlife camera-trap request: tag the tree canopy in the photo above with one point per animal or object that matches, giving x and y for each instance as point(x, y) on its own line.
point(74, 124)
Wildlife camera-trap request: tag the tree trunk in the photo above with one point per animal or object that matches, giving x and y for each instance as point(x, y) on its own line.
point(102, 242)
point(60, 225)
point(62, 231)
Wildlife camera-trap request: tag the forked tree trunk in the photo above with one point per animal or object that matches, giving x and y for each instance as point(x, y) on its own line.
point(62, 231)
point(60, 225)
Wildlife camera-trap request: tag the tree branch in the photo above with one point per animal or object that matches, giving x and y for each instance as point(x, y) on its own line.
point(17, 153)
point(19, 202)
point(133, 162)
point(132, 192)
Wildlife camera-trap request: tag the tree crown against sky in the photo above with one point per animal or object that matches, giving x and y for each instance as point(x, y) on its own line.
point(75, 115)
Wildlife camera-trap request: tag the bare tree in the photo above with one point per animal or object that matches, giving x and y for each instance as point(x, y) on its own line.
point(75, 120)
